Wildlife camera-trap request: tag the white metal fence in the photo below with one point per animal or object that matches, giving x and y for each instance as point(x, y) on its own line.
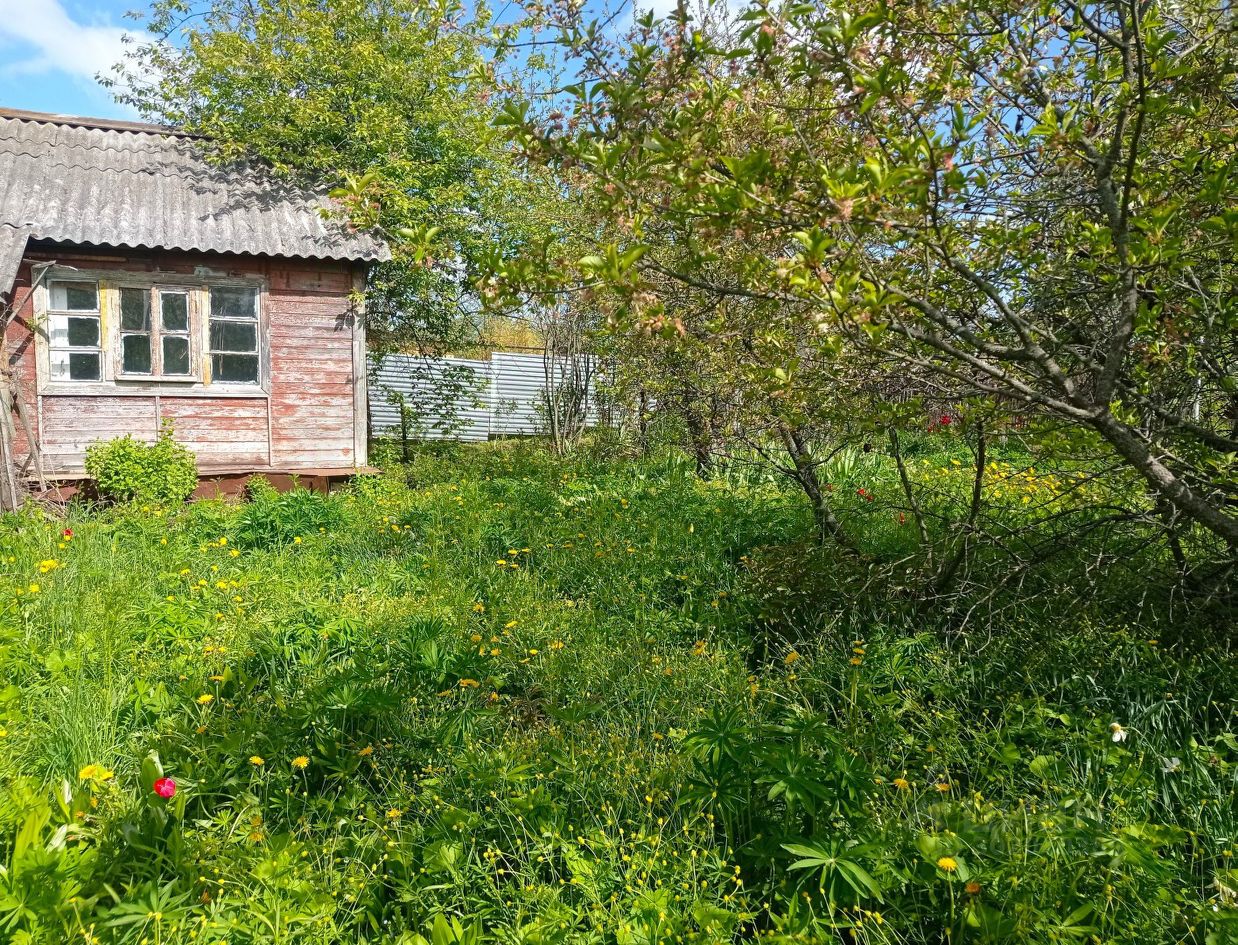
point(462, 398)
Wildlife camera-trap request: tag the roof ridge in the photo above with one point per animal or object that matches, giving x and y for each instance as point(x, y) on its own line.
point(101, 124)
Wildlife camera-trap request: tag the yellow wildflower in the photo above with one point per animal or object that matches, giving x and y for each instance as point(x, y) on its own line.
point(300, 762)
point(948, 863)
point(257, 760)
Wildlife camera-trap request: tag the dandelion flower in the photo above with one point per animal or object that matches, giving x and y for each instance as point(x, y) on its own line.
point(95, 773)
point(947, 863)
point(395, 813)
point(790, 658)
point(257, 761)
point(902, 784)
point(300, 762)
point(942, 787)
point(205, 699)
point(972, 888)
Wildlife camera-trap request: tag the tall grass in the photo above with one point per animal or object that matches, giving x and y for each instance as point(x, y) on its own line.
point(496, 695)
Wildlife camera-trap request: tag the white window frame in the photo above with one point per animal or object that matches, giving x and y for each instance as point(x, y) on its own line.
point(114, 381)
point(63, 314)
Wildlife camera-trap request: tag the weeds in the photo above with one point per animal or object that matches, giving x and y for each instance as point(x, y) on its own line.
point(495, 696)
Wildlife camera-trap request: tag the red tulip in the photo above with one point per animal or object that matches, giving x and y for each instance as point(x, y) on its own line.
point(165, 787)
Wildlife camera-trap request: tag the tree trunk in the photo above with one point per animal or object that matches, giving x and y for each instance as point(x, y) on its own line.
point(1162, 479)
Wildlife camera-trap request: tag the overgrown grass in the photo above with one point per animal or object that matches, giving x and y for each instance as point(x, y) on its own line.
point(495, 695)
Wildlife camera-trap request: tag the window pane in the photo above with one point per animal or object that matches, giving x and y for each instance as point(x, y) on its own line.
point(175, 355)
point(75, 296)
point(83, 367)
point(175, 311)
point(60, 365)
point(83, 332)
point(135, 354)
point(234, 336)
point(237, 368)
point(234, 302)
point(134, 315)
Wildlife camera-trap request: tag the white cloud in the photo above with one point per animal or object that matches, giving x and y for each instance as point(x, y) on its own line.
point(57, 42)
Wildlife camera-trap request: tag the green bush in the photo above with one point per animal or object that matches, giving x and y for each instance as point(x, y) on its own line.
point(124, 469)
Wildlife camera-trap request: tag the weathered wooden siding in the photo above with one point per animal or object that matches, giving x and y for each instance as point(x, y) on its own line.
point(305, 420)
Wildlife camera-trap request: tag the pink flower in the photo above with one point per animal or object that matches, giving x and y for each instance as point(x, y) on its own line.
point(165, 787)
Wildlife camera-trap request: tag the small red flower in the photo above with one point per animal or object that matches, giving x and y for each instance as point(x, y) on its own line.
point(67, 533)
point(165, 787)
point(945, 420)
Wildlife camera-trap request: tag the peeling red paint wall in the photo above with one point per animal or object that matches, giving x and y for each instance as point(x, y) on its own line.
point(306, 422)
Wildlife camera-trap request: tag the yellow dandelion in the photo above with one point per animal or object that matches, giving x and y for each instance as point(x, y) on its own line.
point(366, 751)
point(948, 863)
point(300, 762)
point(257, 761)
point(790, 658)
point(942, 787)
point(902, 784)
point(395, 813)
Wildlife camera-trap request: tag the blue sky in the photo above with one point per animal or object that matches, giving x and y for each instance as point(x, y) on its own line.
point(50, 51)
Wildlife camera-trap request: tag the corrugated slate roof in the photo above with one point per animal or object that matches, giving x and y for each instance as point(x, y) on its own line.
point(143, 186)
point(12, 246)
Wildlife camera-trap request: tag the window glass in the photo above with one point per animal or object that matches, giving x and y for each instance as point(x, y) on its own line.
point(75, 296)
point(175, 354)
point(174, 311)
point(234, 302)
point(234, 336)
point(82, 332)
point(135, 354)
point(134, 310)
point(83, 366)
point(235, 368)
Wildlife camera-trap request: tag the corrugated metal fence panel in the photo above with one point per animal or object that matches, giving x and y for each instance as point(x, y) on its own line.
point(449, 397)
point(463, 399)
point(519, 389)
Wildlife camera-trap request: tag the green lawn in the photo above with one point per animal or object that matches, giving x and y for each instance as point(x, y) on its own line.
point(497, 696)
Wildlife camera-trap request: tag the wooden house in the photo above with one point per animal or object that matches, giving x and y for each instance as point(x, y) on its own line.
point(141, 283)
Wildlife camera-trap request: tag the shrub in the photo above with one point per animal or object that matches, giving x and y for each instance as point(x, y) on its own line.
point(163, 472)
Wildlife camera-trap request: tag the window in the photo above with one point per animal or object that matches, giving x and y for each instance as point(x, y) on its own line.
point(154, 332)
point(234, 334)
point(75, 348)
point(136, 330)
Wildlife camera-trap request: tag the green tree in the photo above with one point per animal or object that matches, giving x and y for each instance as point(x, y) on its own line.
point(1029, 201)
point(389, 101)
